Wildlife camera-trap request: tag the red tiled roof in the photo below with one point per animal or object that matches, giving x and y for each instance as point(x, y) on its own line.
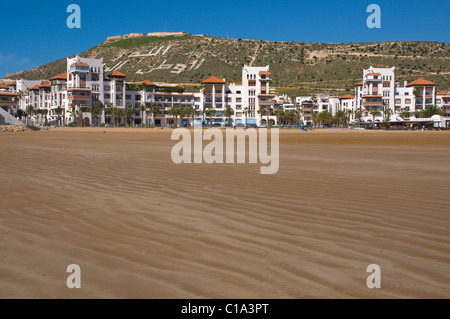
point(443, 93)
point(360, 83)
point(421, 82)
point(62, 76)
point(13, 84)
point(265, 73)
point(45, 85)
point(370, 74)
point(213, 80)
point(2, 86)
point(117, 74)
point(36, 87)
point(347, 97)
point(266, 95)
point(79, 64)
point(147, 82)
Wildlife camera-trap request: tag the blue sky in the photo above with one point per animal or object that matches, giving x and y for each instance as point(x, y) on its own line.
point(35, 32)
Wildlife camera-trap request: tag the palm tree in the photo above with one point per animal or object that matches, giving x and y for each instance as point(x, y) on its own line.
point(210, 112)
point(182, 114)
point(404, 113)
point(154, 109)
point(143, 109)
point(118, 114)
point(191, 111)
point(175, 111)
point(359, 114)
point(130, 112)
point(297, 114)
point(246, 112)
point(387, 114)
point(348, 114)
point(73, 112)
point(262, 112)
point(374, 112)
point(431, 110)
point(269, 113)
point(109, 111)
point(30, 111)
point(417, 91)
point(59, 110)
point(19, 114)
point(229, 112)
point(95, 112)
point(99, 109)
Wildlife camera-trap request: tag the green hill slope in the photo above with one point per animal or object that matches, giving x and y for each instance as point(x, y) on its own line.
point(298, 68)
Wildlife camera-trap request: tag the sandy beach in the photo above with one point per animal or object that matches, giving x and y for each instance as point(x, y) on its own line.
point(139, 226)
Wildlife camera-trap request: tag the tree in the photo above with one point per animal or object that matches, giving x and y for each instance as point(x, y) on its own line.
point(277, 114)
point(246, 113)
point(358, 114)
point(404, 113)
point(431, 110)
point(98, 110)
point(191, 111)
point(30, 111)
point(19, 114)
point(154, 109)
point(73, 112)
point(95, 112)
point(262, 112)
point(387, 114)
point(175, 111)
point(229, 112)
point(210, 112)
point(109, 111)
point(417, 91)
point(324, 117)
point(59, 111)
point(374, 112)
point(269, 113)
point(130, 112)
point(117, 113)
point(297, 114)
point(182, 113)
point(143, 109)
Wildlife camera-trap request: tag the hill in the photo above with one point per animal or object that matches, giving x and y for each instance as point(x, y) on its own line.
point(297, 67)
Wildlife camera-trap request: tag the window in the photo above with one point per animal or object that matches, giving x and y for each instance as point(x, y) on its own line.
point(252, 83)
point(398, 101)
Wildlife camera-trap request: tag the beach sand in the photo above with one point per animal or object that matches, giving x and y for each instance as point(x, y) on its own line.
point(139, 226)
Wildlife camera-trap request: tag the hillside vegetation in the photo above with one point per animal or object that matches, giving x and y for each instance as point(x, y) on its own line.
point(297, 67)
